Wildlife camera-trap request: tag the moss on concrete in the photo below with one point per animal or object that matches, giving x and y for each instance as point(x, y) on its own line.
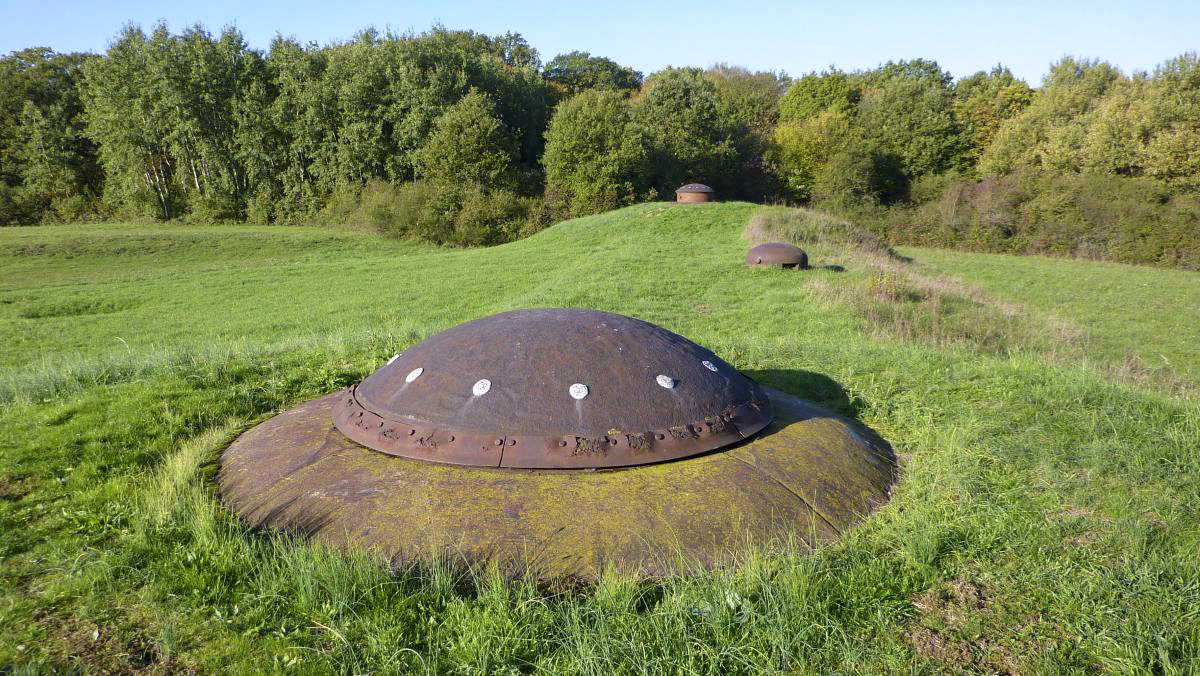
point(809, 476)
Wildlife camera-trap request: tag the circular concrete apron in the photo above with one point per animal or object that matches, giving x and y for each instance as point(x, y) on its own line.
point(809, 476)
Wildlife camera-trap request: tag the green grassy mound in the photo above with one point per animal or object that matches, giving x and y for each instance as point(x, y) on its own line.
point(1046, 518)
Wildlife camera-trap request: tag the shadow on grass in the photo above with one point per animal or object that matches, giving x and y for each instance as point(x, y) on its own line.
point(815, 387)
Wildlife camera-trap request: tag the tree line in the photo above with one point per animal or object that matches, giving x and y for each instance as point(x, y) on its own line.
point(460, 137)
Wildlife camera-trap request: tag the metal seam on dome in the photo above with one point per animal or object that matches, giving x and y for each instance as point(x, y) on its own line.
point(428, 442)
point(631, 424)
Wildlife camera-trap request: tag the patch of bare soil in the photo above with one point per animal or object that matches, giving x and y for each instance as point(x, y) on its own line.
point(944, 631)
point(1075, 516)
point(12, 488)
point(95, 648)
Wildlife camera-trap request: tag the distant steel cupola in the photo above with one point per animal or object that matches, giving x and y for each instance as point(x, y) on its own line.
point(693, 193)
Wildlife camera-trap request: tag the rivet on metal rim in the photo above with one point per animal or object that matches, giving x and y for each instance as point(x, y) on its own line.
point(578, 390)
point(666, 381)
point(481, 387)
point(413, 374)
point(394, 358)
point(709, 365)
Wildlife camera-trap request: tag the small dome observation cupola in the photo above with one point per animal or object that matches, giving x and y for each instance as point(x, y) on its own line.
point(693, 193)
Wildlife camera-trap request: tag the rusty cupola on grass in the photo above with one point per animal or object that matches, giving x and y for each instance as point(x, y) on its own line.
point(777, 255)
point(693, 193)
point(561, 440)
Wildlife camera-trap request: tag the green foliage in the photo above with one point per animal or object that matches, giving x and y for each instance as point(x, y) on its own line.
point(884, 127)
point(596, 158)
point(907, 112)
point(1050, 131)
point(1128, 220)
point(816, 93)
point(678, 112)
point(469, 146)
point(746, 99)
point(577, 71)
point(802, 150)
point(747, 112)
point(860, 175)
point(48, 169)
point(442, 213)
point(160, 108)
point(984, 101)
point(817, 123)
point(1172, 154)
point(222, 129)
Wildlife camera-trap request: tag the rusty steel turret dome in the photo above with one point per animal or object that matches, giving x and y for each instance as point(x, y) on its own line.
point(693, 193)
point(559, 441)
point(553, 388)
point(777, 255)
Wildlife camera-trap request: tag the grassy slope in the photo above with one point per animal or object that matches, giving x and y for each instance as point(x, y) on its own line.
point(1047, 519)
point(1148, 312)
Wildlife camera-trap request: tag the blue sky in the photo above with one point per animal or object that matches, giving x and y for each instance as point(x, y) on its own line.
point(796, 37)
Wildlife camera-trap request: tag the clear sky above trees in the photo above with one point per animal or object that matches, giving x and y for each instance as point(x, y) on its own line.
point(1026, 35)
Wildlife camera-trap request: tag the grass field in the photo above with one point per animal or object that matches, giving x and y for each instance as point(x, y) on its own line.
point(1149, 313)
point(1048, 517)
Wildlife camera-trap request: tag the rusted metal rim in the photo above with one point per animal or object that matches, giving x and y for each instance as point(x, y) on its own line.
point(615, 449)
point(553, 388)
